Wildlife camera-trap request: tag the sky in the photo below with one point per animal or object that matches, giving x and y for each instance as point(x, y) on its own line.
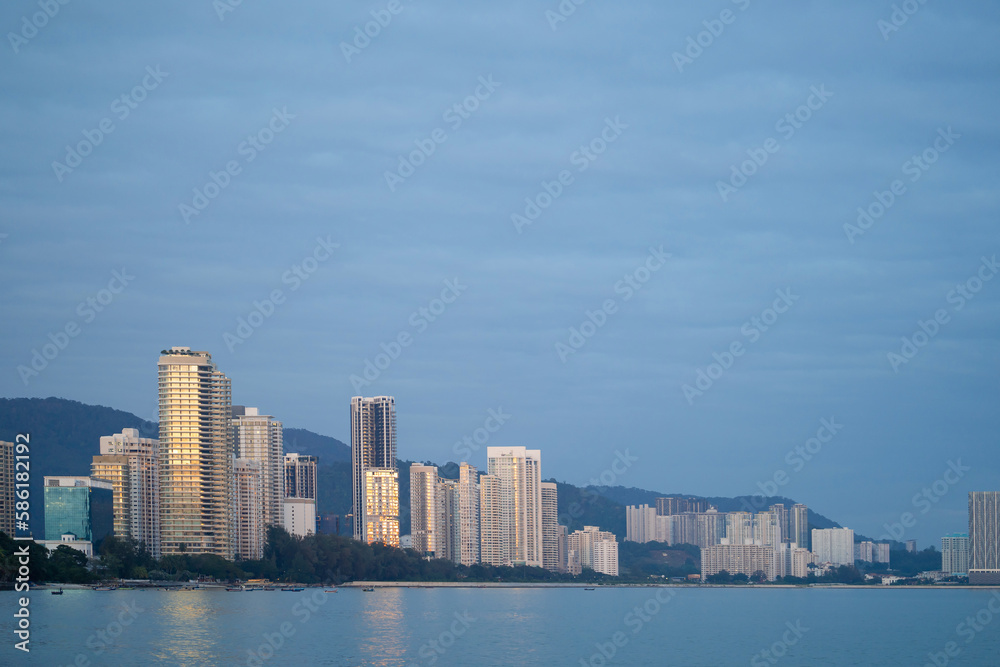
point(716, 249)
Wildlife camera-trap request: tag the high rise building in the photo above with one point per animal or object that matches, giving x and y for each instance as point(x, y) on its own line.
point(373, 446)
point(115, 470)
point(739, 527)
point(7, 495)
point(563, 544)
point(251, 495)
point(767, 528)
point(380, 519)
point(911, 546)
point(492, 526)
point(984, 537)
point(196, 455)
point(880, 552)
point(783, 516)
point(520, 475)
point(671, 505)
point(468, 491)
point(301, 476)
point(258, 437)
point(606, 557)
point(81, 506)
point(955, 553)
point(798, 522)
point(833, 545)
point(423, 514)
point(748, 559)
point(640, 523)
point(139, 509)
point(801, 558)
point(298, 516)
point(583, 546)
point(447, 540)
point(550, 527)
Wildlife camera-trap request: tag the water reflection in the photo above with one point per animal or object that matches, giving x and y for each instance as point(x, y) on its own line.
point(382, 635)
point(187, 628)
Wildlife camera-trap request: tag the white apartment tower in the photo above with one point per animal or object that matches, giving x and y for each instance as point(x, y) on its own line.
point(550, 527)
point(258, 437)
point(251, 496)
point(520, 473)
point(373, 448)
point(195, 454)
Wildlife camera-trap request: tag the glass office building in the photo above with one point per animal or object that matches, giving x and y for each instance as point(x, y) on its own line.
point(83, 506)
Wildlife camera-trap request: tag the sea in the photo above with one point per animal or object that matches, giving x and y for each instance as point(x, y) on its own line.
point(754, 626)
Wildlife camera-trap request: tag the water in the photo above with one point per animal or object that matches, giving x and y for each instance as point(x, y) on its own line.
point(525, 626)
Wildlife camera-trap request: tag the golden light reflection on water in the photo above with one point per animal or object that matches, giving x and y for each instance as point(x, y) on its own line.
point(385, 637)
point(186, 623)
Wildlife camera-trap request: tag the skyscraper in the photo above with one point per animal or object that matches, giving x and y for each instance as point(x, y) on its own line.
point(138, 509)
point(196, 455)
point(373, 446)
point(7, 488)
point(585, 545)
point(955, 553)
point(423, 517)
point(833, 545)
point(258, 437)
point(640, 523)
point(550, 527)
point(301, 476)
point(251, 504)
point(520, 475)
point(381, 511)
point(468, 507)
point(984, 537)
point(492, 526)
point(82, 506)
point(799, 525)
point(115, 470)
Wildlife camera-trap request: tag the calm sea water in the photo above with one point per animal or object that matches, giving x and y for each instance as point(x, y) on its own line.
point(643, 626)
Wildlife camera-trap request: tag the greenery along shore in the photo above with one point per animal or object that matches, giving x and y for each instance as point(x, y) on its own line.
point(331, 559)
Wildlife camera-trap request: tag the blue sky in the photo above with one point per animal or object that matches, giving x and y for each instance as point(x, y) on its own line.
point(682, 174)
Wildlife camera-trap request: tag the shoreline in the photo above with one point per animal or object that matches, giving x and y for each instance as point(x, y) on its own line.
point(494, 584)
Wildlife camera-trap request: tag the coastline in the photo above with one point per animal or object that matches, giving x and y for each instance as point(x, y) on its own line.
point(494, 584)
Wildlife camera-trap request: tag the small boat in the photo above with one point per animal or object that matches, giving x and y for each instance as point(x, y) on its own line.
point(334, 590)
point(104, 588)
point(237, 589)
point(369, 590)
point(292, 590)
point(589, 589)
point(60, 592)
point(268, 588)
